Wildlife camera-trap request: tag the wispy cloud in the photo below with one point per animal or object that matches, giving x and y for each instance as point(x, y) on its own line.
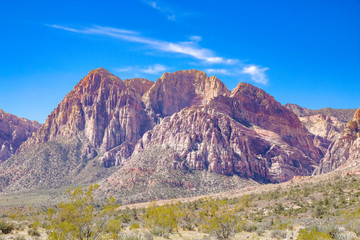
point(165, 10)
point(256, 73)
point(218, 71)
point(155, 69)
point(195, 38)
point(187, 48)
point(190, 48)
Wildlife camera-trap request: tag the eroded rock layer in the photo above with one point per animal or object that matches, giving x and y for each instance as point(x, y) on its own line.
point(345, 150)
point(13, 132)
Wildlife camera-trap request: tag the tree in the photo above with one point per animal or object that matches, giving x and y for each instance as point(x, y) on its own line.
point(221, 220)
point(162, 220)
point(79, 218)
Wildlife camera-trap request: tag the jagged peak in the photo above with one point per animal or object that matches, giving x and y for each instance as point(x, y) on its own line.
point(251, 92)
point(96, 78)
point(100, 70)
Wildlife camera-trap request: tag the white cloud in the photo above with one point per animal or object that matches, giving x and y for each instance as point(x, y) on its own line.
point(195, 38)
point(155, 69)
point(186, 48)
point(190, 48)
point(218, 71)
point(256, 73)
point(169, 13)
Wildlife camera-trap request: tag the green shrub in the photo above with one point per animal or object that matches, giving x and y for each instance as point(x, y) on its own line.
point(134, 226)
point(305, 234)
point(278, 234)
point(34, 232)
point(260, 231)
point(162, 220)
point(6, 227)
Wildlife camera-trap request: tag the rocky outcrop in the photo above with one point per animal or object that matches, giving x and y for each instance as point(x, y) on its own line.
point(196, 124)
point(175, 91)
point(247, 133)
point(108, 111)
point(324, 124)
point(324, 129)
point(139, 85)
point(13, 132)
point(345, 149)
point(343, 115)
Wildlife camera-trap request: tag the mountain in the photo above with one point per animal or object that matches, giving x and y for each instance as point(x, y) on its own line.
point(343, 115)
point(13, 132)
point(345, 150)
point(185, 130)
point(325, 124)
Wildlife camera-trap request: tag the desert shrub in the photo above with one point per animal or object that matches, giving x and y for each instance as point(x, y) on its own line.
point(162, 220)
point(113, 227)
point(34, 232)
point(249, 227)
point(278, 234)
point(260, 231)
point(5, 226)
point(148, 236)
point(78, 218)
point(130, 236)
point(305, 234)
point(220, 220)
point(19, 238)
point(188, 219)
point(134, 226)
point(35, 225)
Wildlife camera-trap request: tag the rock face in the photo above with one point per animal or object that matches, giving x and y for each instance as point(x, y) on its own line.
point(343, 115)
point(13, 132)
point(175, 91)
point(345, 150)
point(325, 124)
point(108, 111)
point(193, 121)
point(246, 133)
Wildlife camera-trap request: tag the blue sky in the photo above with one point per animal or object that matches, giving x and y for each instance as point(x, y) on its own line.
point(305, 52)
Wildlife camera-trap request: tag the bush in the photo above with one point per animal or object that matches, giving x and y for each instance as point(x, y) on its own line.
point(305, 234)
point(162, 220)
point(34, 232)
point(222, 221)
point(131, 236)
point(250, 227)
point(78, 218)
point(134, 226)
point(260, 231)
point(6, 227)
point(278, 234)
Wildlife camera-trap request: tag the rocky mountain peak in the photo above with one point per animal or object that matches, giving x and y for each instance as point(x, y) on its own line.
point(97, 79)
point(175, 91)
point(13, 132)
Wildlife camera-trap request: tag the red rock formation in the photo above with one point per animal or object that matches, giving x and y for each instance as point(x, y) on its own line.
point(248, 134)
point(175, 91)
point(139, 85)
point(345, 149)
point(203, 125)
point(325, 125)
point(13, 132)
point(102, 107)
